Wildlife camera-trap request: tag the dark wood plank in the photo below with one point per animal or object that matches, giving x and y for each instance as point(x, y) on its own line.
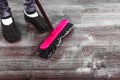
point(90, 52)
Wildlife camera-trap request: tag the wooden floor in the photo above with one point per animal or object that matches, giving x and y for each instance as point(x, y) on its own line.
point(90, 52)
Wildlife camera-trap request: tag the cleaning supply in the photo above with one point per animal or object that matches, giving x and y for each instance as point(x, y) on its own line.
point(50, 44)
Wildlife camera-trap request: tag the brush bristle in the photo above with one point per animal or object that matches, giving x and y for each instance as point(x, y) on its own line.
point(50, 50)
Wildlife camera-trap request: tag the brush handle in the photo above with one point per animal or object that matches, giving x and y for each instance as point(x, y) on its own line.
point(44, 15)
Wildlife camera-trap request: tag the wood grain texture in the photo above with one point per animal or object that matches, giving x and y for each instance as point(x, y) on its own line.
point(90, 52)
